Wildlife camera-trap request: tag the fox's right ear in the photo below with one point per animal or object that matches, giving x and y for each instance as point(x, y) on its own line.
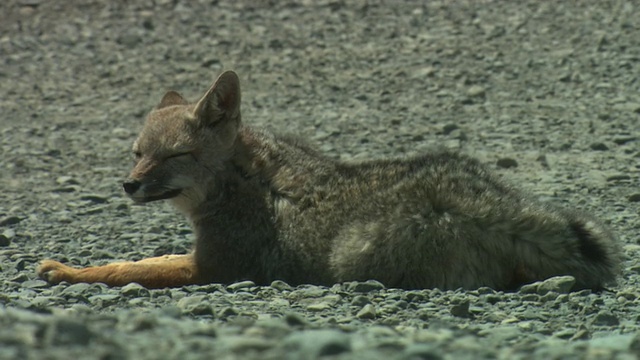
point(171, 98)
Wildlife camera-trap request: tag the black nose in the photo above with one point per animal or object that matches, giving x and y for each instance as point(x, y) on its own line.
point(131, 186)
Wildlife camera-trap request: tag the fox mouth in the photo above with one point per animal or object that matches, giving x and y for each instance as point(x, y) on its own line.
point(162, 196)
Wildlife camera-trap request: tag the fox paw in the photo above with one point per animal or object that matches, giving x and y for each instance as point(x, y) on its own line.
point(54, 272)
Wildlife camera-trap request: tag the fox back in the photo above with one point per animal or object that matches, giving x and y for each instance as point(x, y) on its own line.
point(267, 207)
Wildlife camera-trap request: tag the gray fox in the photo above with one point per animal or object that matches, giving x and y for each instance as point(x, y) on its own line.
point(266, 207)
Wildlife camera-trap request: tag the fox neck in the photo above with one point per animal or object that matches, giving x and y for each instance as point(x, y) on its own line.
point(261, 165)
point(248, 169)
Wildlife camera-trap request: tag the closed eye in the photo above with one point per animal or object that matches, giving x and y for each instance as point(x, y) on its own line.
point(178, 155)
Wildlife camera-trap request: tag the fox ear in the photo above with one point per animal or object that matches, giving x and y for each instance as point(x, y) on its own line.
point(171, 98)
point(221, 103)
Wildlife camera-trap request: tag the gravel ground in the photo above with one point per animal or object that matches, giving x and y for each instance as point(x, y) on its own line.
point(547, 93)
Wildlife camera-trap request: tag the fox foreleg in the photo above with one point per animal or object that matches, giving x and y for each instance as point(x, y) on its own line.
point(157, 272)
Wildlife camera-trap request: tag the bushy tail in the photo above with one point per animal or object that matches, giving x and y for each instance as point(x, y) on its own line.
point(571, 243)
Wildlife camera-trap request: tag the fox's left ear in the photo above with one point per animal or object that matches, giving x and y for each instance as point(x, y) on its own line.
point(221, 103)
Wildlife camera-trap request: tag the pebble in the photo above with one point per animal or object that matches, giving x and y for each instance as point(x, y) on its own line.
point(476, 91)
point(9, 220)
point(319, 306)
point(95, 198)
point(461, 310)
point(365, 287)
point(605, 318)
point(65, 331)
point(134, 290)
point(367, 312)
point(313, 344)
point(4, 240)
point(419, 351)
point(281, 285)
point(633, 107)
point(507, 163)
point(241, 285)
point(599, 146)
point(360, 301)
point(557, 284)
point(35, 284)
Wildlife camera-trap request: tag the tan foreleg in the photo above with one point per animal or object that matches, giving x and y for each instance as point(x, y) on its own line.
point(157, 272)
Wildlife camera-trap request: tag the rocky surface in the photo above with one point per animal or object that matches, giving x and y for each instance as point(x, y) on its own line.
point(547, 93)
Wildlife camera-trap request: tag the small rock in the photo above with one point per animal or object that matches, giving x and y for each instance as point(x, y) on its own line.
point(66, 189)
point(605, 318)
point(365, 287)
point(134, 290)
point(74, 289)
point(9, 220)
point(360, 301)
point(281, 285)
point(98, 199)
point(623, 140)
point(104, 300)
point(367, 312)
point(421, 351)
point(129, 40)
point(202, 309)
point(319, 306)
point(557, 284)
point(241, 285)
point(64, 331)
point(121, 133)
point(617, 342)
point(243, 344)
point(295, 319)
point(581, 334)
point(447, 129)
point(634, 197)
point(227, 312)
point(628, 107)
point(461, 310)
point(142, 322)
point(529, 288)
point(187, 303)
point(618, 177)
point(476, 91)
point(599, 146)
point(424, 72)
point(507, 163)
point(66, 180)
point(35, 284)
point(313, 344)
point(4, 241)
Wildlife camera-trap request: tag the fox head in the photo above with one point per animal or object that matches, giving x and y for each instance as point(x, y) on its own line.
point(182, 146)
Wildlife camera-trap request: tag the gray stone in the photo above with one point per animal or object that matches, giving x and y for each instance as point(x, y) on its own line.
point(134, 290)
point(35, 284)
point(605, 318)
point(367, 312)
point(9, 220)
point(65, 331)
point(461, 310)
point(365, 287)
point(281, 285)
point(312, 344)
point(507, 163)
point(557, 284)
point(241, 285)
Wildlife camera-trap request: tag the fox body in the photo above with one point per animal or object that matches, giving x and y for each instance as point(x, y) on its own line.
point(266, 207)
